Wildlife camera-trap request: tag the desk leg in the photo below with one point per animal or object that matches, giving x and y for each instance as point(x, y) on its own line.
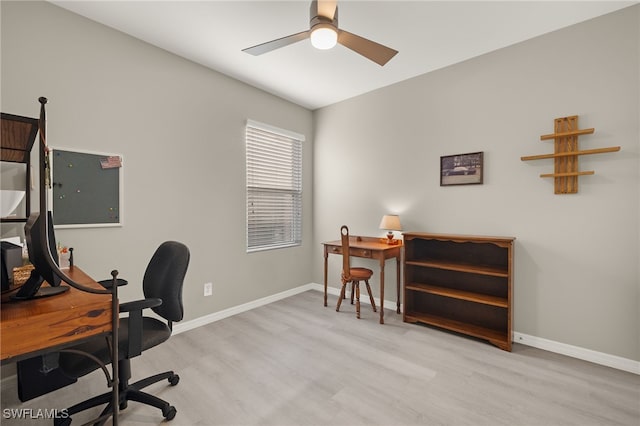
point(326, 255)
point(382, 290)
point(398, 284)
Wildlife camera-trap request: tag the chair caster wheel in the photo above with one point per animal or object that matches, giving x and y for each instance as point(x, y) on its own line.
point(173, 380)
point(169, 412)
point(123, 405)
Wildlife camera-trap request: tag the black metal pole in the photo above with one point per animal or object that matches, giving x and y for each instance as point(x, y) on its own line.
point(44, 180)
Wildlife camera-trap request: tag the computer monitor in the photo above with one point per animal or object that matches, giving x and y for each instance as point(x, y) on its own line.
point(41, 243)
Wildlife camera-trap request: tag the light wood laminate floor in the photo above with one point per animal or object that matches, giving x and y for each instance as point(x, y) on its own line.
point(294, 362)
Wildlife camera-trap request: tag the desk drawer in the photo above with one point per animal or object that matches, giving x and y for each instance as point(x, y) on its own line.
point(359, 252)
point(353, 251)
point(335, 249)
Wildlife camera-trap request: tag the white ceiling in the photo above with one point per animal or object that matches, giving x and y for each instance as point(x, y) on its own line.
point(428, 35)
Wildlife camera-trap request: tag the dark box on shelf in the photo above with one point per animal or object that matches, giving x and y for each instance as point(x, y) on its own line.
point(11, 258)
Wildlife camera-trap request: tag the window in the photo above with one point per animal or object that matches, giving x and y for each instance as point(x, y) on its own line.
point(274, 187)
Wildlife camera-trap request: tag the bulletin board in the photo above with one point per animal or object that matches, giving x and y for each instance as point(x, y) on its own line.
point(86, 189)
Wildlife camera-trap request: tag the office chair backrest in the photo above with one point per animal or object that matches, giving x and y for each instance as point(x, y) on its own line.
point(164, 277)
point(346, 266)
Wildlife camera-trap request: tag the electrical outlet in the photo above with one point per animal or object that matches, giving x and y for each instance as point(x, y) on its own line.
point(208, 289)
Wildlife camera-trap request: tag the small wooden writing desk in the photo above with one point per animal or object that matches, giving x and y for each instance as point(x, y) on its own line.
point(370, 248)
point(34, 327)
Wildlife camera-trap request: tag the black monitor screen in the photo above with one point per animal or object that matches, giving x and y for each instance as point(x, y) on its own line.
point(38, 254)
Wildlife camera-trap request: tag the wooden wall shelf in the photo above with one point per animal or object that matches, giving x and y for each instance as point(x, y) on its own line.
point(566, 154)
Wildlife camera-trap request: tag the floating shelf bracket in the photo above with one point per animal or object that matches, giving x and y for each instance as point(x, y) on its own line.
point(565, 155)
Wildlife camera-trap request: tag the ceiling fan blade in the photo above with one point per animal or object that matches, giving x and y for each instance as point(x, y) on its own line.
point(369, 49)
point(276, 44)
point(326, 8)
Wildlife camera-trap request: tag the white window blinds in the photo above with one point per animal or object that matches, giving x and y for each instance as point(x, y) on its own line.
point(274, 187)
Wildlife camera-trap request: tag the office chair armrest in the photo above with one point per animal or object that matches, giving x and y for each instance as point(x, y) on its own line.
point(139, 305)
point(134, 342)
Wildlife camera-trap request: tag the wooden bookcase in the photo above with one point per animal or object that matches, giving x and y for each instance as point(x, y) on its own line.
point(461, 283)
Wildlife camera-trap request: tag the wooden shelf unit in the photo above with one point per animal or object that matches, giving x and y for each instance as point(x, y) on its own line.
point(462, 283)
point(566, 153)
point(17, 135)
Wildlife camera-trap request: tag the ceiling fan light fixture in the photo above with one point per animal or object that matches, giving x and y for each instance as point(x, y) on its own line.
point(324, 33)
point(324, 36)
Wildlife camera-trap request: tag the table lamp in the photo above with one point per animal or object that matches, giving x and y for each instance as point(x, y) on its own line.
point(390, 222)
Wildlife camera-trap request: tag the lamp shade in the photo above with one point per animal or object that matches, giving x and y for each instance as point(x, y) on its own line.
point(391, 222)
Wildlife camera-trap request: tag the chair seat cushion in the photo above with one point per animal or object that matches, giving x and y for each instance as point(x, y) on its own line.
point(360, 273)
point(75, 365)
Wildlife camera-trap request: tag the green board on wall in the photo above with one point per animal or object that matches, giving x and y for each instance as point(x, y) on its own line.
point(86, 189)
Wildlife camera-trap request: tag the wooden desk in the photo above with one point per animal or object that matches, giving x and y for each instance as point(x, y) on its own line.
point(37, 326)
point(370, 248)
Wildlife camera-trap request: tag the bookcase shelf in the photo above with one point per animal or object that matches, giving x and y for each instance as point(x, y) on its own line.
point(496, 337)
point(460, 283)
point(460, 294)
point(17, 135)
point(462, 267)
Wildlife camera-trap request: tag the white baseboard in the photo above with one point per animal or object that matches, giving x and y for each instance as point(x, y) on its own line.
point(601, 358)
point(217, 316)
point(584, 354)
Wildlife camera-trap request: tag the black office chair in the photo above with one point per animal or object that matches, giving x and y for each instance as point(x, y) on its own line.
point(162, 286)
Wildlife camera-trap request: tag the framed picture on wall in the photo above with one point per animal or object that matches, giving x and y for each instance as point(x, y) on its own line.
point(461, 169)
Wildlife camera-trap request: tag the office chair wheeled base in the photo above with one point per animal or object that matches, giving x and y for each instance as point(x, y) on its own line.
point(128, 392)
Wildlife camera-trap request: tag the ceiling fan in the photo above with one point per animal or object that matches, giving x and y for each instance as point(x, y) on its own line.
point(324, 34)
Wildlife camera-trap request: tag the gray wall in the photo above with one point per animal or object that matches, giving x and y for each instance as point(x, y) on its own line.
point(576, 262)
point(180, 129)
